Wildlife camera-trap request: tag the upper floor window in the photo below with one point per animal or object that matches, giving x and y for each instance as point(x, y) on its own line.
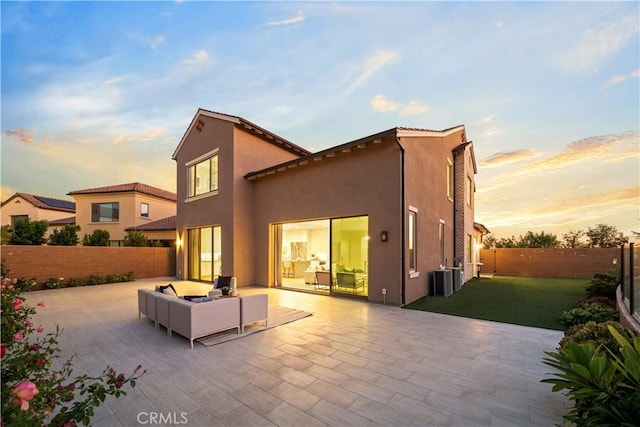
point(449, 180)
point(203, 176)
point(144, 210)
point(469, 191)
point(105, 212)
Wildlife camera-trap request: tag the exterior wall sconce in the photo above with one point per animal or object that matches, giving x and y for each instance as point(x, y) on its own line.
point(384, 236)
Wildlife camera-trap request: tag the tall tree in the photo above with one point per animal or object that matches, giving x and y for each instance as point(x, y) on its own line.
point(538, 240)
point(572, 239)
point(605, 236)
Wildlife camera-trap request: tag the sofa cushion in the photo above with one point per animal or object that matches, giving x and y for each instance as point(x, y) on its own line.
point(167, 290)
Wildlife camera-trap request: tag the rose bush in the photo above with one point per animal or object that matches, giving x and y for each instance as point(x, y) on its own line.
point(37, 389)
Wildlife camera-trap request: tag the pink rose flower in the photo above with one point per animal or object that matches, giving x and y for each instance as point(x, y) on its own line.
point(17, 303)
point(40, 304)
point(24, 392)
point(40, 329)
point(18, 336)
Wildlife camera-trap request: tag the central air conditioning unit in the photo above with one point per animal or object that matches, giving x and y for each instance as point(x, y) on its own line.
point(442, 283)
point(456, 276)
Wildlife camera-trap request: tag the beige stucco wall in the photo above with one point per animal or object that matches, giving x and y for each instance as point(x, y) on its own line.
point(365, 181)
point(129, 212)
point(426, 175)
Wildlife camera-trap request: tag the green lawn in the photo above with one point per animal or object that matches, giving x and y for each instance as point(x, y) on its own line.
point(529, 301)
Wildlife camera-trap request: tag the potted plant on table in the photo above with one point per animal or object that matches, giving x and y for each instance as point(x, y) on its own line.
point(225, 290)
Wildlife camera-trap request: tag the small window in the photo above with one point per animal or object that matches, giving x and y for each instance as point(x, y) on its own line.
point(144, 210)
point(469, 191)
point(470, 248)
point(105, 212)
point(413, 256)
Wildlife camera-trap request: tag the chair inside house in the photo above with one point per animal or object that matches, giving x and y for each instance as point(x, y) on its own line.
point(349, 281)
point(287, 269)
point(323, 280)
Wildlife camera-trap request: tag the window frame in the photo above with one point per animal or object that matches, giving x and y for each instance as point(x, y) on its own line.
point(450, 182)
point(96, 217)
point(412, 241)
point(144, 213)
point(469, 191)
point(193, 182)
point(441, 239)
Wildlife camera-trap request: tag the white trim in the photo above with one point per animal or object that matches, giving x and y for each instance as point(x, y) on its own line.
point(406, 133)
point(413, 209)
point(202, 196)
point(203, 157)
point(414, 274)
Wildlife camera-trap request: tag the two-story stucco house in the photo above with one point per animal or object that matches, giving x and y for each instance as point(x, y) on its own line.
point(37, 208)
point(116, 208)
point(370, 218)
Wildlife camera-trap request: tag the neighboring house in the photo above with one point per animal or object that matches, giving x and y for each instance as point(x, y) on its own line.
point(37, 208)
point(116, 208)
point(378, 214)
point(162, 230)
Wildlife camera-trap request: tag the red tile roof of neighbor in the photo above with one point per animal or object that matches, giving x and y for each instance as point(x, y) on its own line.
point(63, 221)
point(45, 202)
point(125, 188)
point(164, 224)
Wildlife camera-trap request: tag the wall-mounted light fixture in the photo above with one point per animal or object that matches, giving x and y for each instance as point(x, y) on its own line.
point(384, 236)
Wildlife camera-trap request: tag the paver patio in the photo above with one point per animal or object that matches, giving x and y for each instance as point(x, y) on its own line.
point(351, 363)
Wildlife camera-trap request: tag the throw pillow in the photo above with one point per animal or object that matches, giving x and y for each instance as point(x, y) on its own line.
point(223, 281)
point(168, 290)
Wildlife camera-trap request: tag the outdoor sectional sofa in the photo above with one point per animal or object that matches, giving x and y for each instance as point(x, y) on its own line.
point(194, 320)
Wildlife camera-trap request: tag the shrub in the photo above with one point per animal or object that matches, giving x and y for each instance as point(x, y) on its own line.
point(99, 237)
point(136, 238)
point(604, 386)
point(27, 232)
point(53, 283)
point(96, 279)
point(129, 276)
point(588, 312)
point(597, 333)
point(66, 236)
point(604, 301)
point(76, 282)
point(603, 285)
point(34, 393)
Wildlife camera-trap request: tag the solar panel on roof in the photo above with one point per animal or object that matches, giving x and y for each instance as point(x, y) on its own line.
point(57, 203)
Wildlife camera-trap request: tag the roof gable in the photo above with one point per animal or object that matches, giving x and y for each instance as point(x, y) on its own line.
point(42, 202)
point(247, 126)
point(127, 188)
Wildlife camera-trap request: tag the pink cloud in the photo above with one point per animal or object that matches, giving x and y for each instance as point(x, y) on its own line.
point(21, 134)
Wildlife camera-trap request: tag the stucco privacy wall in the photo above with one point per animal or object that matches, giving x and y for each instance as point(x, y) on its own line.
point(43, 262)
point(549, 262)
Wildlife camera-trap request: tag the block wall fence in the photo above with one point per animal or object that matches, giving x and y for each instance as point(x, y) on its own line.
point(549, 262)
point(43, 262)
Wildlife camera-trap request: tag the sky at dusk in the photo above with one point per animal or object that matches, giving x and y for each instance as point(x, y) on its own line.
point(100, 93)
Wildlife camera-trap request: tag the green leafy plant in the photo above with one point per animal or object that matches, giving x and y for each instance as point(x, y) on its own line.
point(136, 238)
point(96, 279)
point(75, 281)
point(588, 312)
point(38, 390)
point(604, 301)
point(66, 236)
point(603, 284)
point(27, 232)
point(603, 385)
point(98, 237)
point(54, 283)
point(597, 333)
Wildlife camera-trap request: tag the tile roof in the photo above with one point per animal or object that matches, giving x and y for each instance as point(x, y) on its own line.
point(45, 202)
point(63, 221)
point(125, 188)
point(164, 224)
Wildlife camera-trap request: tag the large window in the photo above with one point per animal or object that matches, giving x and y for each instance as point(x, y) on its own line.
point(105, 212)
point(413, 255)
point(203, 176)
point(16, 218)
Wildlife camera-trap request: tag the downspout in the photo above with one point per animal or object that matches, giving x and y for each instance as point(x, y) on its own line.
point(403, 238)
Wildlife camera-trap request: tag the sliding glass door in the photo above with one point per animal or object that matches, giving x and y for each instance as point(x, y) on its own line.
point(326, 256)
point(205, 258)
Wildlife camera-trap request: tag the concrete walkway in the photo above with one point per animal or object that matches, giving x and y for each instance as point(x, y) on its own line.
point(351, 363)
